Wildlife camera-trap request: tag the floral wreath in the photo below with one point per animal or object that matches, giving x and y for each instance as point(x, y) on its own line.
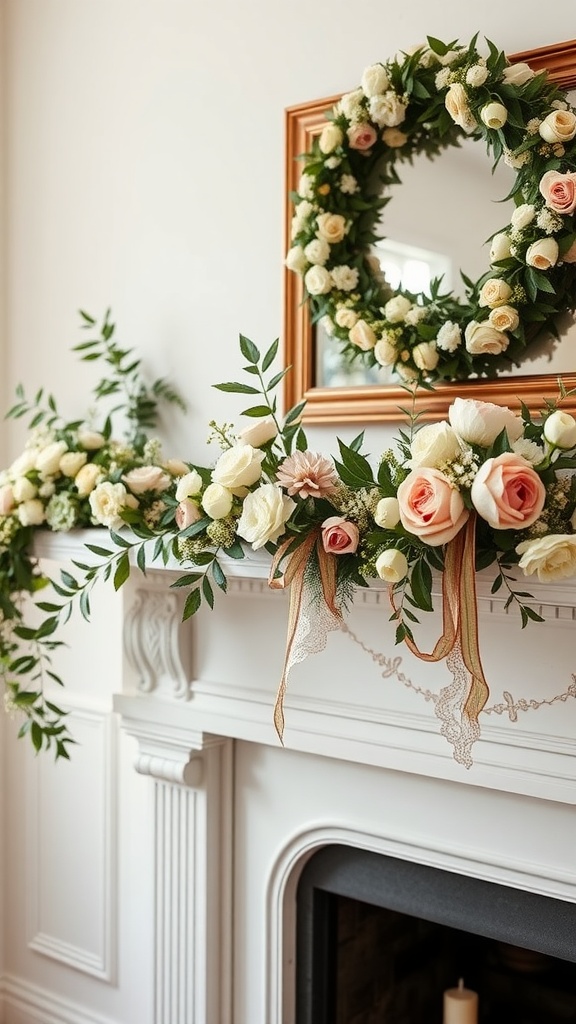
point(424, 102)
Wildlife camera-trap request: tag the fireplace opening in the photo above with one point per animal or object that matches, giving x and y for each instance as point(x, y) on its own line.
point(380, 939)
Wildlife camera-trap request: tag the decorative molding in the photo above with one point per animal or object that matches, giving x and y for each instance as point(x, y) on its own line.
point(30, 1004)
point(152, 641)
point(98, 962)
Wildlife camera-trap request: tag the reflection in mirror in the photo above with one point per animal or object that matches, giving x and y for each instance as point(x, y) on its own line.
point(423, 229)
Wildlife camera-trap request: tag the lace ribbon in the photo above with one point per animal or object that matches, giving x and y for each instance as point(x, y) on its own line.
point(459, 645)
point(310, 573)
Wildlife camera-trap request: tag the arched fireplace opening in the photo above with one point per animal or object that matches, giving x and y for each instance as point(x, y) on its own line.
point(380, 939)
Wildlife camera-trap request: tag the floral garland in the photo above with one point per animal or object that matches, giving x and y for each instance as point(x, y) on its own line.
point(484, 488)
point(424, 102)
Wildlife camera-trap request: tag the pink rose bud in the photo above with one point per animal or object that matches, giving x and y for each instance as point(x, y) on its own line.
point(187, 513)
point(339, 536)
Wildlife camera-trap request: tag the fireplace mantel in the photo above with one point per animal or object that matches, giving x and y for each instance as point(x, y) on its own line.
point(175, 705)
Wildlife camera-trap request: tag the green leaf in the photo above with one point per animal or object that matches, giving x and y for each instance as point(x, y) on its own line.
point(192, 604)
point(122, 571)
point(237, 389)
point(270, 356)
point(257, 410)
point(249, 350)
point(208, 592)
point(188, 580)
point(218, 576)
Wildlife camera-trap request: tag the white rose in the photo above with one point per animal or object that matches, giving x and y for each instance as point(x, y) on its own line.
point(238, 467)
point(552, 557)
point(523, 216)
point(392, 565)
point(351, 105)
point(331, 227)
point(346, 317)
point(107, 501)
point(296, 260)
point(415, 315)
point(147, 478)
point(86, 479)
point(476, 75)
point(449, 337)
point(456, 102)
point(387, 514)
point(264, 515)
point(24, 463)
point(31, 513)
point(425, 355)
point(559, 126)
point(494, 292)
point(259, 433)
point(71, 462)
point(317, 280)
point(482, 339)
point(23, 489)
point(374, 80)
point(387, 111)
point(317, 251)
point(176, 467)
point(217, 501)
point(500, 247)
point(48, 458)
point(504, 318)
point(494, 115)
point(481, 422)
point(188, 485)
point(385, 352)
point(560, 430)
point(344, 278)
point(433, 444)
point(91, 440)
point(330, 138)
point(542, 254)
point(517, 74)
point(396, 308)
point(362, 336)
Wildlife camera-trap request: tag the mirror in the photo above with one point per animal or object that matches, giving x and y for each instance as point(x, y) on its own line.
point(337, 394)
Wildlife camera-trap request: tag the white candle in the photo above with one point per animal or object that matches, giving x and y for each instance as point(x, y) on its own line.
point(460, 1005)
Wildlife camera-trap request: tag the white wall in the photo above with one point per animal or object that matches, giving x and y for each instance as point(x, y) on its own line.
point(144, 168)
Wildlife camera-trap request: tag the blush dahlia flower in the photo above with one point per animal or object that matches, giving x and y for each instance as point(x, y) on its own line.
point(308, 475)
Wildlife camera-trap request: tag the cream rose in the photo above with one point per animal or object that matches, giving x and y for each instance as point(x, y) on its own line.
point(508, 493)
point(188, 485)
point(331, 227)
point(259, 433)
point(394, 138)
point(346, 317)
point(48, 458)
point(71, 463)
point(23, 489)
point(517, 74)
point(494, 115)
point(296, 260)
point(392, 565)
point(483, 339)
point(362, 336)
point(433, 444)
point(265, 513)
point(504, 318)
point(559, 191)
point(318, 280)
point(387, 514)
point(558, 126)
point(456, 102)
point(86, 479)
point(331, 137)
point(217, 501)
point(523, 216)
point(542, 254)
point(91, 440)
point(147, 478)
point(31, 513)
point(374, 80)
point(500, 247)
point(385, 352)
point(494, 292)
point(7, 500)
point(560, 430)
point(187, 513)
point(238, 467)
point(107, 501)
point(552, 557)
point(396, 308)
point(361, 136)
point(317, 251)
point(430, 507)
point(24, 463)
point(425, 355)
point(387, 111)
point(481, 422)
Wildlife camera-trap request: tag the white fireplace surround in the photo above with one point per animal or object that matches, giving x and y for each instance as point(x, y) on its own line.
point(236, 815)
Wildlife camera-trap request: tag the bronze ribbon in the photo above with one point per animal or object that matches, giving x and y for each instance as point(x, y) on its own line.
point(459, 616)
point(293, 577)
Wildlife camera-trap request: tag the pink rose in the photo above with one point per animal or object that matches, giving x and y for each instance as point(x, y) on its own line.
point(187, 513)
point(339, 536)
point(6, 500)
point(508, 493)
point(361, 136)
point(147, 478)
point(430, 507)
point(559, 191)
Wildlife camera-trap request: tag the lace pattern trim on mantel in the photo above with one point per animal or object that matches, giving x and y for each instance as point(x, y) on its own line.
point(459, 730)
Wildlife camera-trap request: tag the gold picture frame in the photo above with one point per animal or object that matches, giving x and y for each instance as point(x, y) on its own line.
point(373, 403)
